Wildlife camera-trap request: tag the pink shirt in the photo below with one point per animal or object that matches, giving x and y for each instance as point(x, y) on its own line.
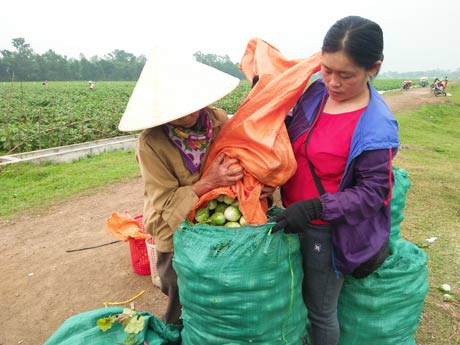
point(328, 152)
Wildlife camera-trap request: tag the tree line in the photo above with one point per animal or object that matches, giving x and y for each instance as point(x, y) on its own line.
point(219, 62)
point(23, 64)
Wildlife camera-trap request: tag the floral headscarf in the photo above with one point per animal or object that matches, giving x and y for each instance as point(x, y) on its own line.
point(192, 142)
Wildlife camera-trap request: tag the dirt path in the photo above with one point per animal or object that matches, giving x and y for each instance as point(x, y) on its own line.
point(42, 284)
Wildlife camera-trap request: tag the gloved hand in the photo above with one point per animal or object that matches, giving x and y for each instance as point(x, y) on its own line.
point(297, 216)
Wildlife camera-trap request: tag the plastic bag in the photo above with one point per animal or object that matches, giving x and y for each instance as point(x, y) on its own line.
point(124, 227)
point(256, 134)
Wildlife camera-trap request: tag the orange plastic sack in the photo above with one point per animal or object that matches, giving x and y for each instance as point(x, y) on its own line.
point(124, 227)
point(256, 134)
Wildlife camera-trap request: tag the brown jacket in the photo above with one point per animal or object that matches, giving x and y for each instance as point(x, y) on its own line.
point(168, 194)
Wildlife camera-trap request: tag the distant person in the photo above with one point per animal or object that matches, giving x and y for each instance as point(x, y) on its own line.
point(438, 84)
point(423, 82)
point(445, 81)
point(406, 84)
point(45, 83)
point(91, 85)
point(344, 138)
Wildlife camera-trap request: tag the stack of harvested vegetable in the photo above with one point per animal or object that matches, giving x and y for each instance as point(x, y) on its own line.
point(221, 211)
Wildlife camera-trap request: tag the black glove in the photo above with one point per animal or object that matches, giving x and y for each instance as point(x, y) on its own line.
point(297, 216)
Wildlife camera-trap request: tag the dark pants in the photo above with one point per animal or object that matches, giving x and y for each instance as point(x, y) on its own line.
point(168, 285)
point(321, 284)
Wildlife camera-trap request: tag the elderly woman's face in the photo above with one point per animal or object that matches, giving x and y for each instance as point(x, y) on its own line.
point(187, 121)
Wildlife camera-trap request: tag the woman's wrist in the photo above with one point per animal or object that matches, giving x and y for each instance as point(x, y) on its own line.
point(200, 188)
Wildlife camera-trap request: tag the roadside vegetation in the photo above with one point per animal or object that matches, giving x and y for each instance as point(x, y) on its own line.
point(429, 153)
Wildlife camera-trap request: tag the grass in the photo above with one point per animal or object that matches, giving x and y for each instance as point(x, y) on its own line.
point(30, 187)
point(429, 153)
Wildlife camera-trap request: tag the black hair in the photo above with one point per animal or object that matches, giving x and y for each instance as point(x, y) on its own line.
point(361, 39)
point(255, 80)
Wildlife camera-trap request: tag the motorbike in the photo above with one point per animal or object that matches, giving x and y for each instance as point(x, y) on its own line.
point(406, 84)
point(438, 88)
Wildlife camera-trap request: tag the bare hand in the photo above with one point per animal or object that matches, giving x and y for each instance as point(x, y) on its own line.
point(267, 191)
point(222, 172)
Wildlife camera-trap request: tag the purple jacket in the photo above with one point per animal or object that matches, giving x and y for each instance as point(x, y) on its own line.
point(359, 211)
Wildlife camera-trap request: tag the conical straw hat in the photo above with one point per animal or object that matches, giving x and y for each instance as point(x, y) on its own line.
point(172, 86)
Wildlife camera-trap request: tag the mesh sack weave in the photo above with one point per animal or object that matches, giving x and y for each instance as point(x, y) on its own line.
point(398, 202)
point(81, 329)
point(153, 258)
point(239, 285)
point(385, 307)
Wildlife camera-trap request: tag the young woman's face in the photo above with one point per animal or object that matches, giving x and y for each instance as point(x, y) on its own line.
point(343, 78)
point(187, 121)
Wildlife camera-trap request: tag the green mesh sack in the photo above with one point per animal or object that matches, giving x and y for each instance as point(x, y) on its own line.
point(398, 202)
point(239, 285)
point(82, 329)
point(384, 308)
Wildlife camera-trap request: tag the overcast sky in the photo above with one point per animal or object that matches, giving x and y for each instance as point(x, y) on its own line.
point(418, 34)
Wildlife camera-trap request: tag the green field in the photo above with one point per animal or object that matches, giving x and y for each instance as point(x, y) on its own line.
point(36, 117)
point(63, 113)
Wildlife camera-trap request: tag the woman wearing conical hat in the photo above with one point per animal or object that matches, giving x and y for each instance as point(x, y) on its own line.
point(171, 103)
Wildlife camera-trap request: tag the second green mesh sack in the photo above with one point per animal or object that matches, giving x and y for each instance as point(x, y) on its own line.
point(385, 307)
